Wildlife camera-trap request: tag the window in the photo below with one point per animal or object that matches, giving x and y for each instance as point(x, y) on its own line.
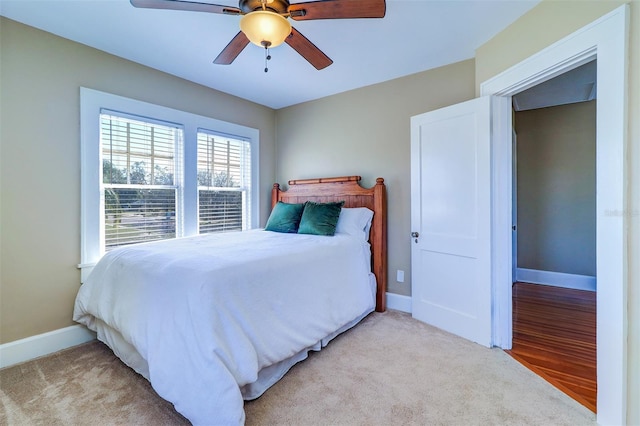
point(224, 181)
point(139, 184)
point(149, 173)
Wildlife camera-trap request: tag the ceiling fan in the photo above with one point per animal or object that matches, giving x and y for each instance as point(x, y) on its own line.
point(265, 23)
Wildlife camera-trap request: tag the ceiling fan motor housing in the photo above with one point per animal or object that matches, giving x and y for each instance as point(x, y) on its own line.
point(278, 6)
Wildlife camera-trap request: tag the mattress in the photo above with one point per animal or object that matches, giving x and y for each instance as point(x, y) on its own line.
point(215, 319)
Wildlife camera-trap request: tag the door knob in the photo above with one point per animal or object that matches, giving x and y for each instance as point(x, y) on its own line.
point(415, 235)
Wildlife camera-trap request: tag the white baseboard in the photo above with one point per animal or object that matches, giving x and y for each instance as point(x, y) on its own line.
point(556, 279)
point(399, 302)
point(43, 344)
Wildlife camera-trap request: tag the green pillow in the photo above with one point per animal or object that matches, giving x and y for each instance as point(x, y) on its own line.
point(285, 218)
point(320, 218)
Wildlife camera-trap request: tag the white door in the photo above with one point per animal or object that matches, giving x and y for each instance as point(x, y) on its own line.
point(451, 216)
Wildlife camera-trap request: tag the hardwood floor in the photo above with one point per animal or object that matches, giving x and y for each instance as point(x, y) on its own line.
point(554, 335)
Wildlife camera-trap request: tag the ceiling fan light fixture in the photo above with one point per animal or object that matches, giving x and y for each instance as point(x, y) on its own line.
point(264, 28)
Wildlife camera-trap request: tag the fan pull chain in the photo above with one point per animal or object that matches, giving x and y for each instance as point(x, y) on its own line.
point(267, 57)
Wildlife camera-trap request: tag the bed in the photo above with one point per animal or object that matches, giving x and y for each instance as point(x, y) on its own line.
point(217, 319)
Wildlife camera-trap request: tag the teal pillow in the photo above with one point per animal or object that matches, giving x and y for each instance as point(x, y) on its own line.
point(320, 218)
point(285, 218)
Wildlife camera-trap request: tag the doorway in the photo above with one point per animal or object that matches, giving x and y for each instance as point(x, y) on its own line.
point(554, 209)
point(605, 38)
point(554, 181)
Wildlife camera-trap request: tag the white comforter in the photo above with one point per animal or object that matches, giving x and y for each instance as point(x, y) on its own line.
point(207, 313)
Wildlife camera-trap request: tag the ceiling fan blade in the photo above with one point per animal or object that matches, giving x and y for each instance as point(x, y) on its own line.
point(308, 50)
point(186, 5)
point(338, 9)
point(233, 49)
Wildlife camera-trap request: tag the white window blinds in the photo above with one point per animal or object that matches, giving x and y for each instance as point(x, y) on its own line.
point(224, 183)
point(139, 179)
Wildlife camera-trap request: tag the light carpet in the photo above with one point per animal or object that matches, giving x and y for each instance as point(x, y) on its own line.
point(388, 370)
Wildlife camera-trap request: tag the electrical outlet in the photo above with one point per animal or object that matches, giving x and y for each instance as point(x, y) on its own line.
point(400, 276)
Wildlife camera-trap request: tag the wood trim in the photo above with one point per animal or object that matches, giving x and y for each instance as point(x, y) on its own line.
point(325, 180)
point(348, 189)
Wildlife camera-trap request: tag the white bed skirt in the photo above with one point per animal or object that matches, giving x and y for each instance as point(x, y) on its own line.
point(267, 377)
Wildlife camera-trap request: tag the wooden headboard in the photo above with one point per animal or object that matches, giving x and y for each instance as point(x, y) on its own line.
point(347, 188)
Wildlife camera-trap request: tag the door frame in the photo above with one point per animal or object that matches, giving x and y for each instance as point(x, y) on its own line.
point(606, 40)
point(514, 205)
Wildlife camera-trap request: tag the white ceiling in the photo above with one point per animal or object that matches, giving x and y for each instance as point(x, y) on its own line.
point(414, 36)
point(577, 85)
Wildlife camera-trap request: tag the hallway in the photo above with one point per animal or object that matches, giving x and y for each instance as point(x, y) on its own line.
point(554, 335)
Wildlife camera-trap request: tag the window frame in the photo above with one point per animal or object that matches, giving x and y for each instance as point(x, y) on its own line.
point(92, 102)
point(178, 148)
point(247, 219)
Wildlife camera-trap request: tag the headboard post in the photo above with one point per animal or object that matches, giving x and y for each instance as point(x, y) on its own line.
point(275, 194)
point(348, 189)
point(380, 234)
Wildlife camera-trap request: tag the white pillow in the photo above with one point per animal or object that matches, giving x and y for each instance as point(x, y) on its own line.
point(355, 221)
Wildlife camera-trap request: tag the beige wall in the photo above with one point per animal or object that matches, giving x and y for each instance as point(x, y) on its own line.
point(366, 132)
point(548, 22)
point(540, 27)
point(556, 183)
point(40, 162)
